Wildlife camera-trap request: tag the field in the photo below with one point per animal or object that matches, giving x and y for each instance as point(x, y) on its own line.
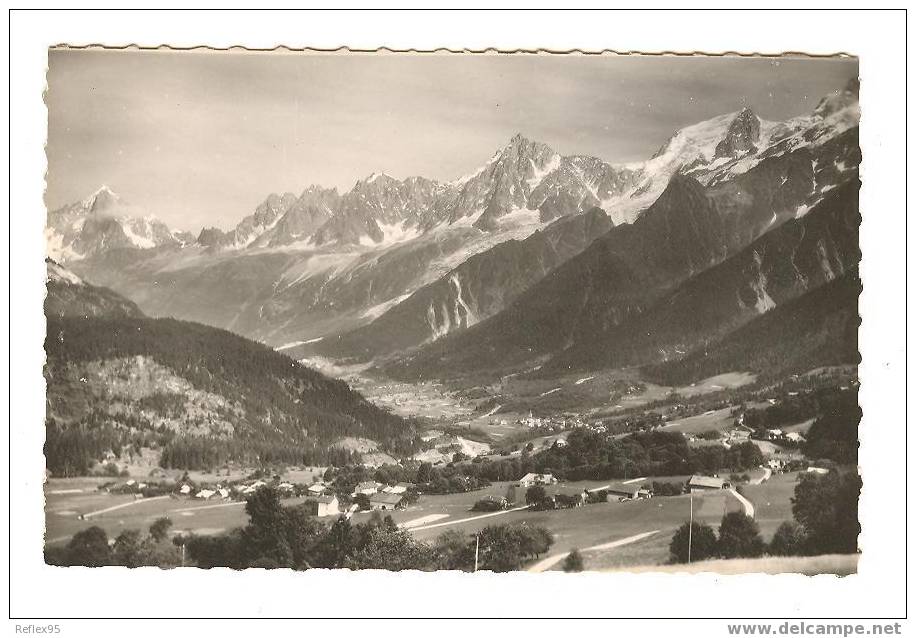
point(772, 501)
point(63, 508)
point(591, 526)
point(840, 564)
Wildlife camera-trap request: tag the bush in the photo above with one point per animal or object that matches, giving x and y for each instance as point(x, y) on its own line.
point(535, 495)
point(665, 488)
point(702, 543)
point(790, 539)
point(489, 504)
point(739, 537)
point(573, 562)
point(89, 547)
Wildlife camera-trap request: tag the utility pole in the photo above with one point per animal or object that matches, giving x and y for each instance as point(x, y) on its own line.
point(182, 554)
point(476, 550)
point(690, 531)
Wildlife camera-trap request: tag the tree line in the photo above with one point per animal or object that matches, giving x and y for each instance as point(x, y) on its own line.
point(289, 537)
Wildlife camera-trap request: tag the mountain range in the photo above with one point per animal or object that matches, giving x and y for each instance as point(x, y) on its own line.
point(536, 257)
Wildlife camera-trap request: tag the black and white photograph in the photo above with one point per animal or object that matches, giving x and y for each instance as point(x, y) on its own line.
point(330, 321)
point(485, 312)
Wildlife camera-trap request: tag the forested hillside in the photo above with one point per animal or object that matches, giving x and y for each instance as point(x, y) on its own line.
point(201, 395)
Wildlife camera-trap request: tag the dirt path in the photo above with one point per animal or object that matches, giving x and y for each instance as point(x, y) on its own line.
point(469, 519)
point(550, 561)
point(767, 473)
point(748, 506)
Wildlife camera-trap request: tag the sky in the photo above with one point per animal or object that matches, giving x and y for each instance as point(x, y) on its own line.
point(201, 138)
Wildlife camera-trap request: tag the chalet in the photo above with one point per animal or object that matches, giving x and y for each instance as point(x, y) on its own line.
point(795, 437)
point(537, 479)
point(327, 506)
point(185, 489)
point(699, 483)
point(399, 488)
point(366, 487)
point(818, 470)
point(317, 488)
point(223, 492)
point(383, 501)
point(628, 491)
point(205, 494)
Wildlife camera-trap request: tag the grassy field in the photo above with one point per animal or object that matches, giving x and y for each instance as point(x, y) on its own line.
point(63, 508)
point(580, 528)
point(841, 564)
point(719, 420)
point(772, 501)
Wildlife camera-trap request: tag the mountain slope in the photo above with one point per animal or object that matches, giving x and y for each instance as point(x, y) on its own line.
point(477, 289)
point(616, 277)
point(787, 262)
point(201, 395)
point(69, 296)
point(819, 328)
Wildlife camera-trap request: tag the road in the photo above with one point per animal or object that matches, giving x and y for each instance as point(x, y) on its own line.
point(748, 506)
point(767, 473)
point(550, 561)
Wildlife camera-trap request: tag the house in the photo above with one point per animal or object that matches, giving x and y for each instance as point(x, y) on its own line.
point(537, 479)
point(366, 487)
point(317, 488)
point(286, 488)
point(205, 494)
point(327, 506)
point(818, 470)
point(399, 488)
point(383, 501)
point(185, 489)
point(774, 432)
point(223, 492)
point(699, 483)
point(628, 491)
point(795, 437)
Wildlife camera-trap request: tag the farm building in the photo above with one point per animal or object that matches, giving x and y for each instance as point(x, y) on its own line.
point(537, 479)
point(699, 483)
point(632, 490)
point(795, 437)
point(383, 501)
point(317, 488)
point(327, 506)
point(399, 488)
point(366, 487)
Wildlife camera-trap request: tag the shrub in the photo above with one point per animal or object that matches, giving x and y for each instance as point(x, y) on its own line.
point(573, 562)
point(666, 488)
point(790, 539)
point(702, 543)
point(739, 537)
